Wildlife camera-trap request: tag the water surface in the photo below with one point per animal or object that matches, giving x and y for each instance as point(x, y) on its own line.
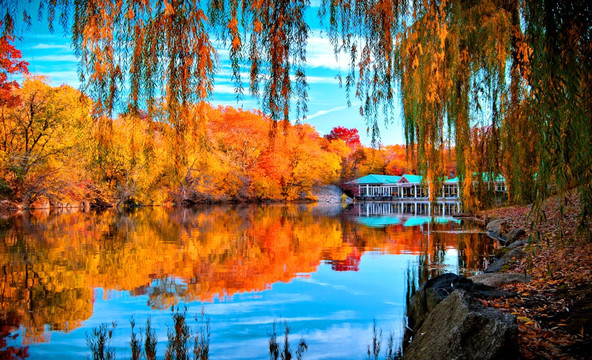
point(327, 271)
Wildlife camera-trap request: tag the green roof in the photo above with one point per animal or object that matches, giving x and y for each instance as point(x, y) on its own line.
point(413, 178)
point(446, 220)
point(377, 179)
point(383, 221)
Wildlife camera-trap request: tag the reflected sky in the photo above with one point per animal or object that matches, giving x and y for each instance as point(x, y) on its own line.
point(322, 270)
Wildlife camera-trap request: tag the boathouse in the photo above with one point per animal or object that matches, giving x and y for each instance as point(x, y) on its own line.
point(411, 187)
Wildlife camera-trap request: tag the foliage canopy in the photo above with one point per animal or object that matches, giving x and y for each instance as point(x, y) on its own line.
point(506, 82)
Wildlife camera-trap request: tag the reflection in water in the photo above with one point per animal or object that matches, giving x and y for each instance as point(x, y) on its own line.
point(52, 265)
point(408, 207)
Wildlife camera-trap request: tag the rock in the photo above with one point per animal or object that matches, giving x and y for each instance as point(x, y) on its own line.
point(460, 327)
point(328, 194)
point(514, 253)
point(497, 265)
point(433, 291)
point(498, 279)
point(514, 235)
point(495, 227)
point(516, 244)
point(430, 294)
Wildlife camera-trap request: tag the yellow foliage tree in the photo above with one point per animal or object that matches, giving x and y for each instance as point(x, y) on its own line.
point(42, 141)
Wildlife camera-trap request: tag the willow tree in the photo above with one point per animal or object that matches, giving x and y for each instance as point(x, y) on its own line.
point(505, 82)
point(164, 50)
point(560, 34)
point(450, 60)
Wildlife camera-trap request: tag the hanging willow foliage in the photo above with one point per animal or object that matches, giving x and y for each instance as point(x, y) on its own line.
point(504, 82)
point(507, 82)
point(560, 34)
point(449, 58)
point(163, 49)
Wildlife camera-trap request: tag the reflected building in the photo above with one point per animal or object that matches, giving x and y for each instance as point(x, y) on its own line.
point(409, 208)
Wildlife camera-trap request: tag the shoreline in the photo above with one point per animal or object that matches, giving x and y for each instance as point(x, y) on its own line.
point(541, 281)
point(554, 307)
point(331, 194)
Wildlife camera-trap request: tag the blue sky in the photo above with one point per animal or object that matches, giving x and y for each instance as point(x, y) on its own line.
point(51, 55)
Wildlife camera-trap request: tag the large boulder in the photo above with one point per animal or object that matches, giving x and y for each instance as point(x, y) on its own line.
point(433, 291)
point(460, 327)
point(430, 294)
point(328, 194)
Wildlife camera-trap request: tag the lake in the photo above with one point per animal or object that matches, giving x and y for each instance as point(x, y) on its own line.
point(327, 271)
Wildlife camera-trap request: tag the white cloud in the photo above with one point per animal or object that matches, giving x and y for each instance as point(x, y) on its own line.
point(319, 79)
point(43, 46)
point(62, 74)
point(223, 89)
point(325, 112)
point(319, 54)
point(224, 76)
point(226, 73)
point(57, 58)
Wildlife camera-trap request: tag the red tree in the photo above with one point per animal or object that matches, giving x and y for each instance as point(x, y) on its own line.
point(10, 63)
point(350, 136)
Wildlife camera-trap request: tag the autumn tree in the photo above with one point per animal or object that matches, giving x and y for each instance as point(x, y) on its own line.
point(10, 63)
point(375, 162)
point(398, 162)
point(349, 136)
point(521, 68)
point(451, 59)
point(559, 72)
point(41, 139)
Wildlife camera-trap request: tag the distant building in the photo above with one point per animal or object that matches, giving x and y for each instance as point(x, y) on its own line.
point(410, 187)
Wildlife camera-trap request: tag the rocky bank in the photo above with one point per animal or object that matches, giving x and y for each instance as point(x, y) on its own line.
point(447, 319)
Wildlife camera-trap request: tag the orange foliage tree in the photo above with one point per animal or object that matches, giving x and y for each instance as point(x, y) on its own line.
point(230, 157)
point(450, 58)
point(52, 152)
